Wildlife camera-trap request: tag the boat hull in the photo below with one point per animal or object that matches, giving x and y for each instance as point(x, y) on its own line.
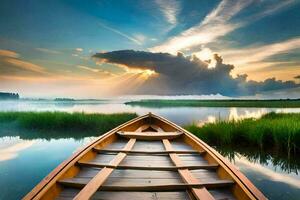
point(114, 166)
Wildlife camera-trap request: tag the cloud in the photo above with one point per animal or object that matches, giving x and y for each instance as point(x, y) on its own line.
point(25, 65)
point(88, 68)
point(225, 11)
point(98, 71)
point(244, 56)
point(8, 53)
point(121, 34)
point(214, 25)
point(189, 75)
point(257, 61)
point(10, 63)
point(48, 50)
point(219, 23)
point(271, 8)
point(140, 37)
point(170, 9)
point(79, 49)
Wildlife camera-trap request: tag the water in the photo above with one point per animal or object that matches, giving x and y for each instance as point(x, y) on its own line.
point(23, 163)
point(274, 182)
point(179, 115)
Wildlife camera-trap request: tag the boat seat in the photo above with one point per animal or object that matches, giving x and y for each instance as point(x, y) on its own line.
point(150, 135)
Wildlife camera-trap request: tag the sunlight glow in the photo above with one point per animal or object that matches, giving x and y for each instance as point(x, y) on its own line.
point(212, 64)
point(149, 72)
point(204, 54)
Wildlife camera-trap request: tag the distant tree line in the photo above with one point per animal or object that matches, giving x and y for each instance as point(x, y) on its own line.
point(6, 95)
point(64, 99)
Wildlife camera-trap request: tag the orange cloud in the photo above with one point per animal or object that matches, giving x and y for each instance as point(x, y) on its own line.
point(25, 65)
point(7, 53)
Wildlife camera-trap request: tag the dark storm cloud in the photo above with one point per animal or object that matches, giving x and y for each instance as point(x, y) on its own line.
point(189, 75)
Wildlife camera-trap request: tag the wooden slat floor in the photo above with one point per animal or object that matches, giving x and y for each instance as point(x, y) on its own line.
point(70, 193)
point(131, 178)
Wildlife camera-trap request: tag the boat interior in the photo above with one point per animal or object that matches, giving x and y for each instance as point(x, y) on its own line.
point(146, 158)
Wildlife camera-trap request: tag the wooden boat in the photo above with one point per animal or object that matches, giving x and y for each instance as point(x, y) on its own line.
point(146, 158)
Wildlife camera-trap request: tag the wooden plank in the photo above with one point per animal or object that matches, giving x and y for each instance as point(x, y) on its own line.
point(149, 145)
point(141, 128)
point(150, 135)
point(199, 193)
point(147, 152)
point(244, 188)
point(122, 195)
point(157, 128)
point(188, 159)
point(221, 194)
point(163, 168)
point(44, 188)
point(69, 194)
point(118, 144)
point(148, 187)
point(101, 177)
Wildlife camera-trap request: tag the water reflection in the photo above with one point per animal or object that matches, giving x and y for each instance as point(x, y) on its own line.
point(275, 175)
point(276, 184)
point(269, 170)
point(30, 162)
point(10, 148)
point(234, 114)
point(278, 160)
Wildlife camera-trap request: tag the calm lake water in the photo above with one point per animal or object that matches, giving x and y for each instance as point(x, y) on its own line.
point(23, 163)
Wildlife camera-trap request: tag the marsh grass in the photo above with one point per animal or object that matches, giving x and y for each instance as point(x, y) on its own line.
point(281, 103)
point(59, 124)
point(277, 131)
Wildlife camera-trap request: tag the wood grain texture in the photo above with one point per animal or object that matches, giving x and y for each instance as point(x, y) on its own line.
point(143, 185)
point(164, 168)
point(199, 193)
point(150, 135)
point(244, 189)
point(101, 177)
point(148, 152)
point(70, 193)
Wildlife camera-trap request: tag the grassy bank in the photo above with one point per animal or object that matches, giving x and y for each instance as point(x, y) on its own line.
point(59, 124)
point(217, 103)
point(276, 132)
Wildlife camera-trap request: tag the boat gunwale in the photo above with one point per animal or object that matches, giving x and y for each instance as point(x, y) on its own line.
point(71, 161)
point(238, 176)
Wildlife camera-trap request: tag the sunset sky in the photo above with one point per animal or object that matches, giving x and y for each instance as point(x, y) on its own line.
point(100, 48)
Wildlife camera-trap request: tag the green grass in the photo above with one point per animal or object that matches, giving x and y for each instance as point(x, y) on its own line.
point(287, 103)
point(59, 124)
point(276, 132)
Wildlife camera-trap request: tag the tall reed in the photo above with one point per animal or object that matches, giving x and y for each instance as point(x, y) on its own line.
point(276, 131)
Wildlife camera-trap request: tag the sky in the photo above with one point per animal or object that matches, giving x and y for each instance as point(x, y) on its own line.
point(101, 48)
